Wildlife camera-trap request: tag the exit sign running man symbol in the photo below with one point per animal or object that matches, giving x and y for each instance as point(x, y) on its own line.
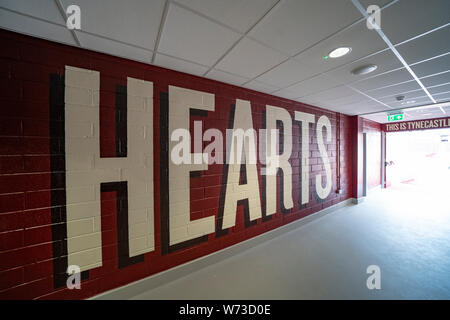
point(395, 117)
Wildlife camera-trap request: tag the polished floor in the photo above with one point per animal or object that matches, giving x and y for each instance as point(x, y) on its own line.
point(404, 230)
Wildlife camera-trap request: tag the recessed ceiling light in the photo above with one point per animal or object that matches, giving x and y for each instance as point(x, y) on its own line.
point(364, 69)
point(339, 52)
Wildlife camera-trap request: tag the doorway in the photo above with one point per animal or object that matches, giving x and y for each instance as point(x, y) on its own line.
point(418, 159)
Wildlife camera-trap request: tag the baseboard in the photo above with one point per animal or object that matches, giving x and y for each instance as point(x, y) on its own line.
point(134, 288)
point(358, 200)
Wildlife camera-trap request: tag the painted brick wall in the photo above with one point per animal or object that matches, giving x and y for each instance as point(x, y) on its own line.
point(34, 168)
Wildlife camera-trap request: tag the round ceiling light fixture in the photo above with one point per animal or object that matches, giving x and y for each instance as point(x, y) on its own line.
point(364, 69)
point(339, 52)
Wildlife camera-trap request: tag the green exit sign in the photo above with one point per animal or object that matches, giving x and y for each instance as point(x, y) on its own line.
point(395, 117)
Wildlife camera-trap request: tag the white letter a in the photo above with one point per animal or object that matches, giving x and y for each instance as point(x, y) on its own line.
point(374, 281)
point(73, 17)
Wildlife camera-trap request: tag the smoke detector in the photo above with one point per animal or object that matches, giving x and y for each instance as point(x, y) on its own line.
point(400, 98)
point(364, 69)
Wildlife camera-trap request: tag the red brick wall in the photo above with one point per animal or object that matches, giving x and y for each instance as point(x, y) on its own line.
point(30, 232)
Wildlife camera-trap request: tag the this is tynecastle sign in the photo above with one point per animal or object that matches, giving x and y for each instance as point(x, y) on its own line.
point(418, 125)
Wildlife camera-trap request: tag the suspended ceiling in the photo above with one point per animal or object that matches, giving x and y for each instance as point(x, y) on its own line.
point(272, 46)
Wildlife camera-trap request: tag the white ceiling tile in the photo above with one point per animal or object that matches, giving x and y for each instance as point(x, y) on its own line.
point(114, 48)
point(361, 107)
point(298, 24)
point(323, 105)
point(377, 117)
point(417, 114)
point(408, 96)
point(313, 85)
point(309, 101)
point(331, 94)
point(237, 14)
point(350, 99)
point(38, 28)
point(409, 93)
point(432, 66)
point(134, 22)
point(362, 41)
point(409, 18)
point(226, 77)
point(439, 89)
point(179, 65)
point(383, 80)
point(442, 97)
point(43, 9)
point(260, 86)
point(420, 114)
point(428, 46)
point(411, 103)
point(286, 93)
point(436, 80)
point(397, 89)
point(287, 73)
point(371, 107)
point(194, 38)
point(385, 61)
point(249, 59)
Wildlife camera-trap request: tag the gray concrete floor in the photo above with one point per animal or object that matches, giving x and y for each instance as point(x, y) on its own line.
point(405, 231)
